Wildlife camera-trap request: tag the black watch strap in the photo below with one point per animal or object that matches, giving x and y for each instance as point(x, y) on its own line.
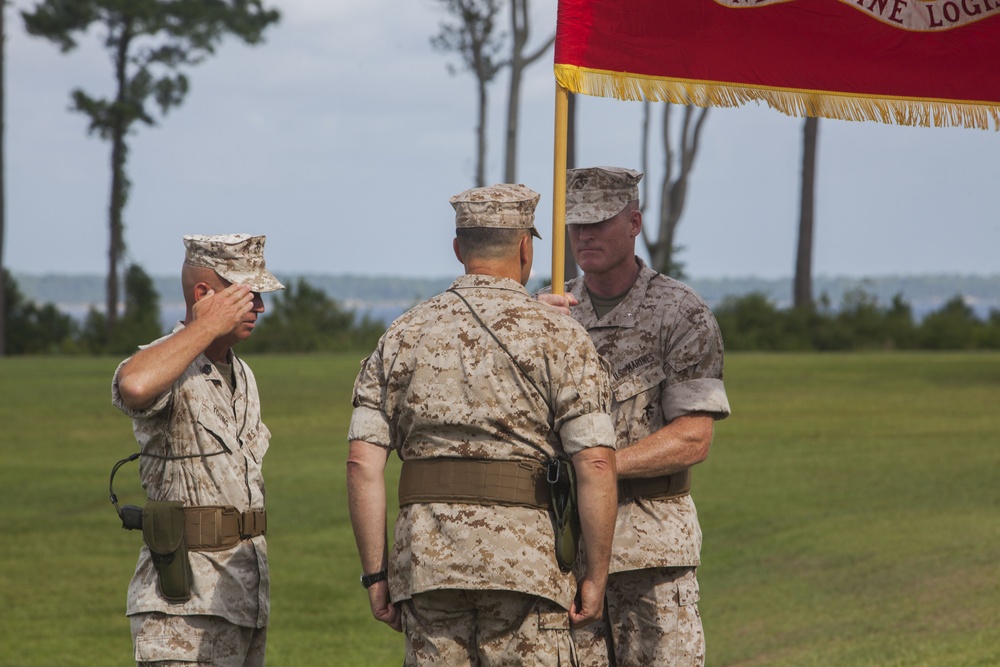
point(368, 579)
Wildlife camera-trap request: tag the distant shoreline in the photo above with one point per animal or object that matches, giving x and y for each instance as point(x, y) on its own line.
point(386, 297)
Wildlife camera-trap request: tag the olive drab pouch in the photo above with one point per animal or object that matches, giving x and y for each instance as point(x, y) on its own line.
point(562, 482)
point(163, 532)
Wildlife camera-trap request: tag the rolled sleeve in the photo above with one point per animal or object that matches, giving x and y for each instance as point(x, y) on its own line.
point(369, 421)
point(157, 407)
point(590, 430)
point(370, 426)
point(699, 395)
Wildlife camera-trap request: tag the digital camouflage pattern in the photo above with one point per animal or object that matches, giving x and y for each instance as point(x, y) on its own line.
point(203, 444)
point(162, 640)
point(502, 206)
point(666, 357)
point(239, 258)
point(438, 385)
point(510, 628)
point(655, 618)
point(595, 194)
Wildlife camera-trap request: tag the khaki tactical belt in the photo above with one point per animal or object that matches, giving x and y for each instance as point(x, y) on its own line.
point(656, 488)
point(217, 527)
point(474, 481)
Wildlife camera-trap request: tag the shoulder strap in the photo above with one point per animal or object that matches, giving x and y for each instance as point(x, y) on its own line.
point(503, 347)
point(555, 464)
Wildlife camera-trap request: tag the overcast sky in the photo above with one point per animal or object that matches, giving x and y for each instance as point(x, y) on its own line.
point(342, 137)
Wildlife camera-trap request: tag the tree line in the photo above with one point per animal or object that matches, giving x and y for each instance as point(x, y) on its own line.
point(304, 319)
point(300, 319)
point(753, 322)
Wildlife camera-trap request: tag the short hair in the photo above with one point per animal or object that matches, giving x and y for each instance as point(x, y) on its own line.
point(192, 275)
point(489, 243)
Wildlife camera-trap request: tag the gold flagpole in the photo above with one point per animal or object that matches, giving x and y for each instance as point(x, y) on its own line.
point(559, 192)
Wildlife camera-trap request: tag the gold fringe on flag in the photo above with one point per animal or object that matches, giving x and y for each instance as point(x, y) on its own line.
point(844, 106)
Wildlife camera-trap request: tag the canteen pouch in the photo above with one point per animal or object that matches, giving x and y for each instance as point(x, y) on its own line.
point(562, 484)
point(163, 532)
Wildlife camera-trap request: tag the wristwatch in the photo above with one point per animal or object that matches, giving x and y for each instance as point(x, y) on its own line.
point(369, 579)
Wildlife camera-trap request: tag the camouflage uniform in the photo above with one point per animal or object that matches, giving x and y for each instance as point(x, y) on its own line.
point(438, 385)
point(202, 443)
point(666, 357)
point(165, 640)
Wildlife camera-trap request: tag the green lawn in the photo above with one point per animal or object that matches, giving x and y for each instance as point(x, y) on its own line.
point(850, 506)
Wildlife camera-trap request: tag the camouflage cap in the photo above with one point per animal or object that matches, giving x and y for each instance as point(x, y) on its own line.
point(596, 194)
point(238, 258)
point(503, 206)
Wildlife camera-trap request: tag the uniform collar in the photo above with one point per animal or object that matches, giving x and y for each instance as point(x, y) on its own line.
point(625, 314)
point(490, 282)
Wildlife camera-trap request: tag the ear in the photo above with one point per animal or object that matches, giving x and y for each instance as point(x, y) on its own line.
point(635, 220)
point(458, 254)
point(524, 248)
point(201, 290)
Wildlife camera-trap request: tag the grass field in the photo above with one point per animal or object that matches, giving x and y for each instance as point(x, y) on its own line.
point(851, 511)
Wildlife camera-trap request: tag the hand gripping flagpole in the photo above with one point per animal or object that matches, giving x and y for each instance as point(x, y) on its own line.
point(559, 192)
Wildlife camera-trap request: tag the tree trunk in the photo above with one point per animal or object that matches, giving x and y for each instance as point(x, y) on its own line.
point(519, 35)
point(673, 189)
point(662, 253)
point(119, 181)
point(513, 97)
point(3, 192)
point(481, 137)
point(518, 22)
point(115, 243)
point(802, 292)
point(520, 29)
point(477, 44)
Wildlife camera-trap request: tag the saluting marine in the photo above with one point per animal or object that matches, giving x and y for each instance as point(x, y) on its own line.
point(200, 592)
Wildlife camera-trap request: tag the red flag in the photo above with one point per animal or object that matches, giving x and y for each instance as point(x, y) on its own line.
point(910, 62)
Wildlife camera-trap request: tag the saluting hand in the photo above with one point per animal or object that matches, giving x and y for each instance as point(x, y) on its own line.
point(224, 311)
point(214, 315)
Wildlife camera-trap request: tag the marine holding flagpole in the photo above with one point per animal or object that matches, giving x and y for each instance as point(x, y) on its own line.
point(666, 355)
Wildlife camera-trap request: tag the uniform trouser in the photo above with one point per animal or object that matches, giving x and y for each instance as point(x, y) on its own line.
point(484, 628)
point(650, 618)
point(181, 641)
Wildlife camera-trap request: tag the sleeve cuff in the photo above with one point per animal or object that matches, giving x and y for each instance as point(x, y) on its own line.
point(370, 426)
point(116, 399)
point(702, 395)
point(594, 429)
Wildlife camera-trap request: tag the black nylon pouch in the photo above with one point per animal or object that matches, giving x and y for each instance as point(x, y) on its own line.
point(163, 532)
